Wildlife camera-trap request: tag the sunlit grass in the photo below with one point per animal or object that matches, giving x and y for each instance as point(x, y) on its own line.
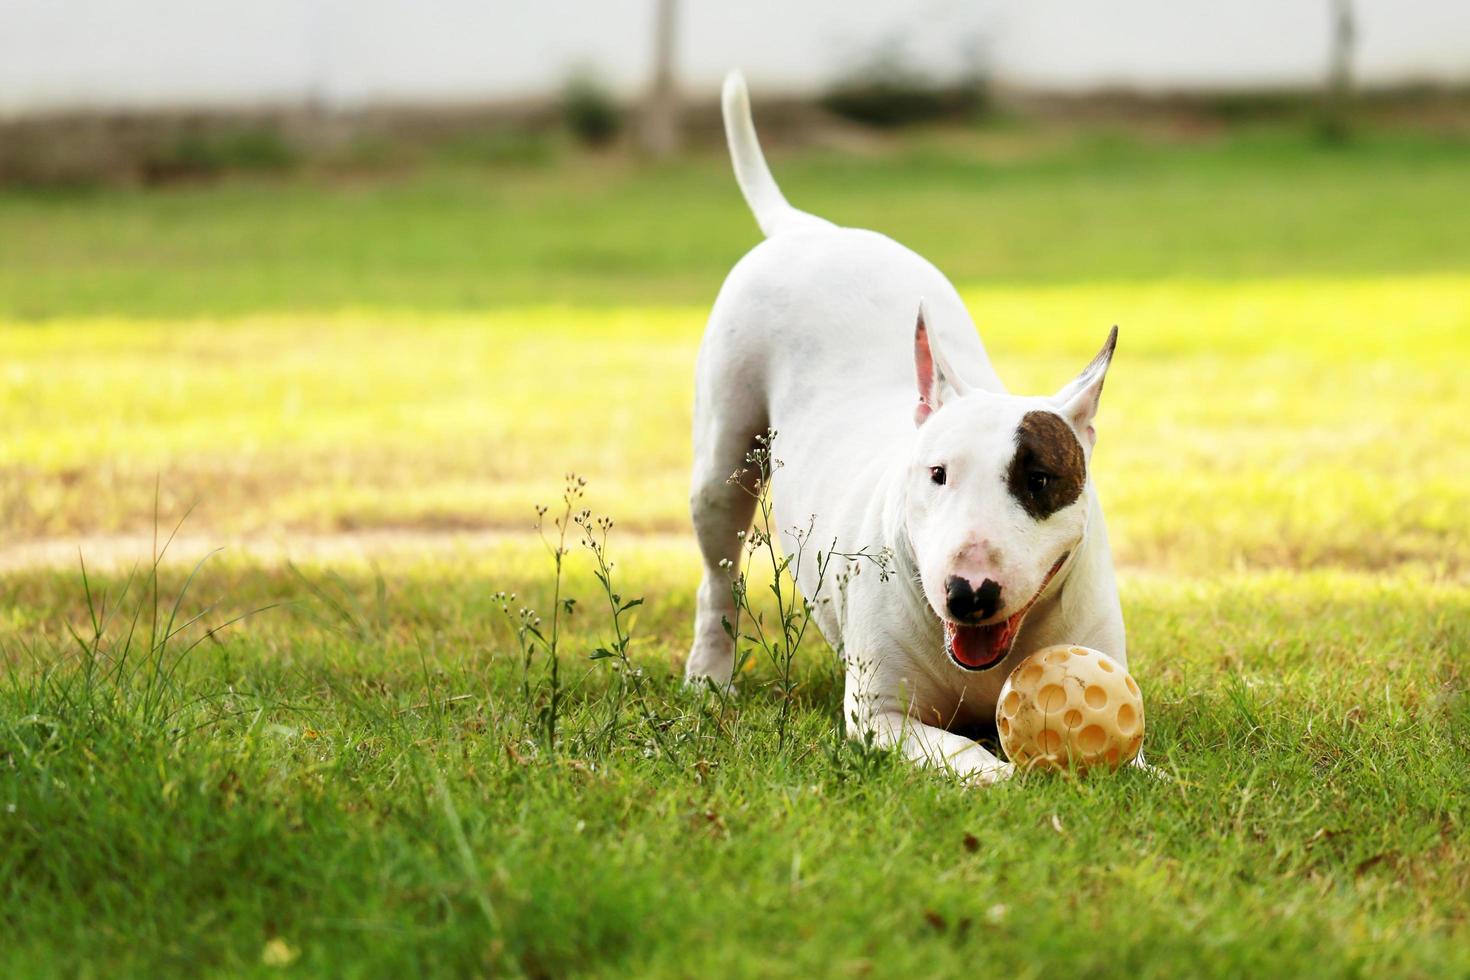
point(1289, 423)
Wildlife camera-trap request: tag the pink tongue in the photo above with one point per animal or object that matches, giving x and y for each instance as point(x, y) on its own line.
point(979, 646)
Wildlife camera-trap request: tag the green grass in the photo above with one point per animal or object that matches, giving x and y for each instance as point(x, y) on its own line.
point(362, 784)
point(358, 778)
point(997, 207)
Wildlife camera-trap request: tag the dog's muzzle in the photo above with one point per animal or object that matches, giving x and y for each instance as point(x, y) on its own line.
point(982, 647)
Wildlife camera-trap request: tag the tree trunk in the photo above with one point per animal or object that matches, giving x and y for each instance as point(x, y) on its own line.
point(1337, 97)
point(660, 129)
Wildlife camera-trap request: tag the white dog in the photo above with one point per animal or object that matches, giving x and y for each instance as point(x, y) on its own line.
point(895, 433)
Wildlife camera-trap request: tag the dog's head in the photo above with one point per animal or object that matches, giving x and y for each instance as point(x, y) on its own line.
point(996, 498)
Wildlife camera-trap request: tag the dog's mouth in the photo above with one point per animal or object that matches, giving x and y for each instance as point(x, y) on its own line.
point(982, 647)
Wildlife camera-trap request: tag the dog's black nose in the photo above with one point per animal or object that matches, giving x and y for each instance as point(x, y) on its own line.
point(966, 602)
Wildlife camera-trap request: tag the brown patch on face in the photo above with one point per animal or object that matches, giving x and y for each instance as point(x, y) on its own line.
point(1048, 471)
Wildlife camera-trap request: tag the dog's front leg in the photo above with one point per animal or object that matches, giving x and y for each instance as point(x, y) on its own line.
point(935, 747)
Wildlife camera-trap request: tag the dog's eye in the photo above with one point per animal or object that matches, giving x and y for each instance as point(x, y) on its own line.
point(937, 474)
point(1036, 480)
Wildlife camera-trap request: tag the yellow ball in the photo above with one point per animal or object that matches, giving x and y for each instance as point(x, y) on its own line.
point(1072, 707)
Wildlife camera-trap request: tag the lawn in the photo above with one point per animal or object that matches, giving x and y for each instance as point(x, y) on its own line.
point(326, 752)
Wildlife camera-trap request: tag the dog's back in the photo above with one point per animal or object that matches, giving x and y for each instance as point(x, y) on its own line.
point(817, 304)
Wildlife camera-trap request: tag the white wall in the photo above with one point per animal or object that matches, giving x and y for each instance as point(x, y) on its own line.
point(1152, 45)
point(63, 54)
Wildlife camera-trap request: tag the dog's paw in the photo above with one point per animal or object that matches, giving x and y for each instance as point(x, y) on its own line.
point(1153, 772)
point(708, 685)
point(988, 775)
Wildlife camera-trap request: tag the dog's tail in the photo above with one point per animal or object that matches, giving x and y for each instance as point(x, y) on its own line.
point(771, 211)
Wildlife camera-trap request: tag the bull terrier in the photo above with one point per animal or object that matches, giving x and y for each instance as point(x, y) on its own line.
point(896, 436)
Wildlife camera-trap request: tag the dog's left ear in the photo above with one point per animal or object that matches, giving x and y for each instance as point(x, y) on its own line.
point(937, 382)
point(1078, 401)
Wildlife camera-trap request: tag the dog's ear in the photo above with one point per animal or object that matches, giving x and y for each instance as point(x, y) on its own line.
point(937, 382)
point(1078, 401)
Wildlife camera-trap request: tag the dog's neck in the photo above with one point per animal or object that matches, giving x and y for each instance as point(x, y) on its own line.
point(896, 539)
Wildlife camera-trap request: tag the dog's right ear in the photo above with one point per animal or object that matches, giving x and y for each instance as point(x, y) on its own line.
point(1079, 399)
point(937, 382)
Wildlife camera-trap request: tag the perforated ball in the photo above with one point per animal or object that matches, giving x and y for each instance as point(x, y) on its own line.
point(1070, 707)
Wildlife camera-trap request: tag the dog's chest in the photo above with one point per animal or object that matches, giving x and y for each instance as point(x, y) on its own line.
point(957, 708)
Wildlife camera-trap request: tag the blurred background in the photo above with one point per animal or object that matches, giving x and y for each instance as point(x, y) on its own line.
point(317, 267)
point(334, 55)
point(117, 88)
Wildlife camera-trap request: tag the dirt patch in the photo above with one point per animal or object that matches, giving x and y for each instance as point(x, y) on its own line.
point(110, 552)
